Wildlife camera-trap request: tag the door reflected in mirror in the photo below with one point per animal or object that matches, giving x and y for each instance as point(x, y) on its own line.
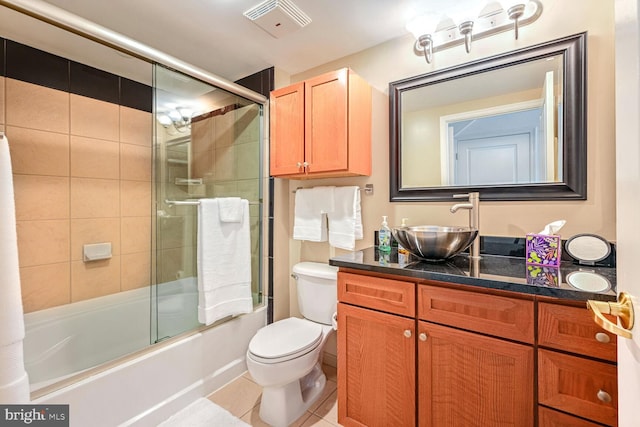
point(511, 127)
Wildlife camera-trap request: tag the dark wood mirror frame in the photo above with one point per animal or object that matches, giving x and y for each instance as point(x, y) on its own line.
point(574, 167)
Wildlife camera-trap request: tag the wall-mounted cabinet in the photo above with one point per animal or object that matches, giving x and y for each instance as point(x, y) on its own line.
point(321, 127)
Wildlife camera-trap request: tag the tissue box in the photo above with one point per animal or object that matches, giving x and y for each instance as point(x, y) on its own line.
point(543, 276)
point(544, 250)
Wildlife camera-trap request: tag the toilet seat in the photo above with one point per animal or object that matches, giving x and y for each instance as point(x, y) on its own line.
point(285, 340)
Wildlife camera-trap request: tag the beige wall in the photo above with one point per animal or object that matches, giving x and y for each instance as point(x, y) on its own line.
point(82, 174)
point(395, 60)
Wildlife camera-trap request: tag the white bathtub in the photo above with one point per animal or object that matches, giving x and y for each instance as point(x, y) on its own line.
point(146, 389)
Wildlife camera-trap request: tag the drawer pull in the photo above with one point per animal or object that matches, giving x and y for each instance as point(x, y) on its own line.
point(604, 396)
point(623, 309)
point(602, 337)
point(422, 336)
point(407, 333)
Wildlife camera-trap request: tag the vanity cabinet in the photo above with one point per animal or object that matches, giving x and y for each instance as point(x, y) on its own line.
point(376, 351)
point(577, 372)
point(321, 127)
point(470, 372)
point(414, 352)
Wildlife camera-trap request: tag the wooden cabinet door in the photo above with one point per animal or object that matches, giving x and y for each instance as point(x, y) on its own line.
point(376, 368)
point(466, 379)
point(286, 142)
point(326, 127)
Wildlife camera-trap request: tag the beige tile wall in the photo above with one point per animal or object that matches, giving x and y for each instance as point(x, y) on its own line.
point(82, 174)
point(225, 153)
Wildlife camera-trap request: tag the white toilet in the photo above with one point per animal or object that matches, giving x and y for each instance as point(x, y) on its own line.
point(285, 357)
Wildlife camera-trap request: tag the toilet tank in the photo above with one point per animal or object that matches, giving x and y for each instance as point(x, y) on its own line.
point(317, 290)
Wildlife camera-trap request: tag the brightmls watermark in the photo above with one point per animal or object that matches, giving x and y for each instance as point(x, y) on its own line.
point(34, 415)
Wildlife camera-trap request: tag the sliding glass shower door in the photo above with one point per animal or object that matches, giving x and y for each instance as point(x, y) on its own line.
point(207, 145)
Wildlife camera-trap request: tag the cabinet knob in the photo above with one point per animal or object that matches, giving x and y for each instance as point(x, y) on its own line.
point(299, 164)
point(407, 333)
point(305, 164)
point(422, 336)
point(604, 396)
point(602, 337)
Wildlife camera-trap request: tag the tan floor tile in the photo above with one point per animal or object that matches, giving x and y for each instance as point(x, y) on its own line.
point(238, 397)
point(316, 421)
point(328, 409)
point(253, 418)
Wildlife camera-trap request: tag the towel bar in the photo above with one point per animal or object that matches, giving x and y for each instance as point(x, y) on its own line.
point(192, 202)
point(368, 189)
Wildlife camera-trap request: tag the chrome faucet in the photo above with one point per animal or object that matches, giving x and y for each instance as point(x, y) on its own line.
point(474, 218)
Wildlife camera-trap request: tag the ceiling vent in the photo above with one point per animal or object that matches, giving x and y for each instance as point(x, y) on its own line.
point(278, 17)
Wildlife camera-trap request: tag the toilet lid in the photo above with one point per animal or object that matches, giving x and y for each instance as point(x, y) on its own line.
point(285, 339)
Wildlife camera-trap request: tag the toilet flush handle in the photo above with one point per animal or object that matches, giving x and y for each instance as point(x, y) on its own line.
point(295, 276)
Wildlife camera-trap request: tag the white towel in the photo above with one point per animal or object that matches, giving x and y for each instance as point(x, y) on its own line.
point(311, 207)
point(231, 209)
point(224, 263)
point(345, 221)
point(14, 383)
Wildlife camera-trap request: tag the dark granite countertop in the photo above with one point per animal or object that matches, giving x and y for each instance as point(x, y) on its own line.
point(493, 272)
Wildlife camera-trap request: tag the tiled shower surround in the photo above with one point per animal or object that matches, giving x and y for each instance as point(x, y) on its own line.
point(82, 174)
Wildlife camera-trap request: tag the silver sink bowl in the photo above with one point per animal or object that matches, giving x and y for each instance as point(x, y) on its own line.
point(433, 242)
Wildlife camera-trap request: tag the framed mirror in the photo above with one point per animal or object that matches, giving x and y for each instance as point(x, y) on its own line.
point(512, 127)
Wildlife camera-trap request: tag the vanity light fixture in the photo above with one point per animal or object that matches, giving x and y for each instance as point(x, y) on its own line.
point(515, 10)
point(422, 26)
point(464, 14)
point(469, 20)
point(179, 118)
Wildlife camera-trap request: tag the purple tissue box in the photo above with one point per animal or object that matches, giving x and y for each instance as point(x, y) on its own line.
point(543, 249)
point(543, 276)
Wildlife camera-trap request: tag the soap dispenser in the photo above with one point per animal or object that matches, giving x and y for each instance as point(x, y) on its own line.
point(384, 236)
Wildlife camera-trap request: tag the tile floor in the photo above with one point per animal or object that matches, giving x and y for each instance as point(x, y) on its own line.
point(242, 396)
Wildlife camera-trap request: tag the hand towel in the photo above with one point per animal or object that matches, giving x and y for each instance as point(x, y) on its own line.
point(231, 209)
point(311, 207)
point(223, 263)
point(13, 377)
point(345, 221)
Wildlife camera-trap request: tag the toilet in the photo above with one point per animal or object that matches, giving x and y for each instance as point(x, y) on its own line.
point(285, 357)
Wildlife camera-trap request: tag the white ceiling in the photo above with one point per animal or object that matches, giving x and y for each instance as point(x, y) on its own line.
point(214, 34)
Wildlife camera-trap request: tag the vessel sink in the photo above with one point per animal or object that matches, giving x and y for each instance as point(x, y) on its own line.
point(433, 242)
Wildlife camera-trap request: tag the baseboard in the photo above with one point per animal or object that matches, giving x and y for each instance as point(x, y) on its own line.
point(330, 359)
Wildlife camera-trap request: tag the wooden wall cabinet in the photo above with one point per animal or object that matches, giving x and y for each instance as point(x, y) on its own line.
point(321, 127)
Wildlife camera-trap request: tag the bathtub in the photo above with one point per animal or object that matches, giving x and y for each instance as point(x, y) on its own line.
point(145, 387)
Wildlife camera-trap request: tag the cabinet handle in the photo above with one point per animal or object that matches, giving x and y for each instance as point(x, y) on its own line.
point(604, 396)
point(407, 333)
point(602, 337)
point(422, 336)
point(623, 309)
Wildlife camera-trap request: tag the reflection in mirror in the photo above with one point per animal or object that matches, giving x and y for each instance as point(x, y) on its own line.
point(510, 127)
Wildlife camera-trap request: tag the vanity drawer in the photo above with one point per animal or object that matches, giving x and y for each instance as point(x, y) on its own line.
point(499, 316)
point(550, 418)
point(392, 296)
point(583, 387)
point(572, 329)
